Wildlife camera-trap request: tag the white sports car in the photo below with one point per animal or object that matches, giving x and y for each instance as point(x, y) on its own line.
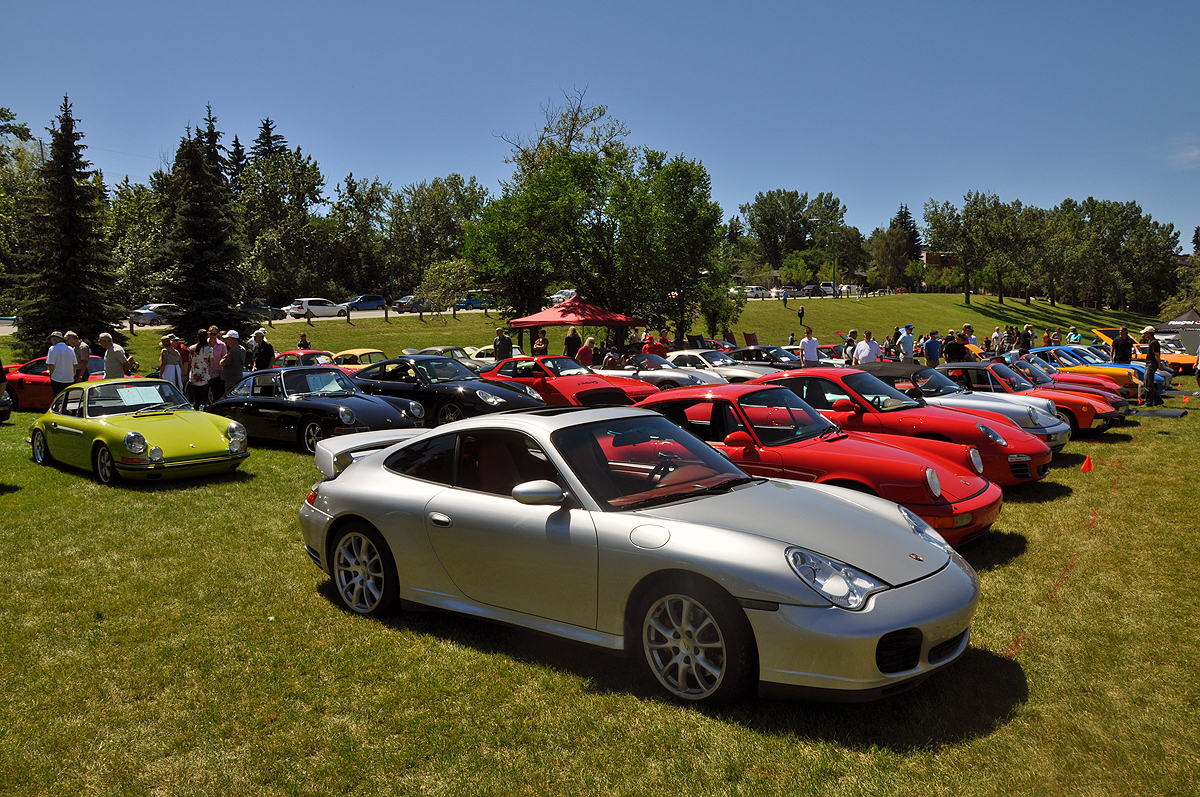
point(616, 528)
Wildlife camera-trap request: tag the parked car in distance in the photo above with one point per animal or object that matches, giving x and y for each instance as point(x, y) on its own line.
point(321, 308)
point(750, 291)
point(416, 304)
point(719, 363)
point(476, 300)
point(29, 383)
point(487, 354)
point(353, 359)
point(562, 381)
point(458, 353)
point(290, 359)
point(152, 315)
point(262, 310)
point(790, 290)
point(615, 528)
point(368, 301)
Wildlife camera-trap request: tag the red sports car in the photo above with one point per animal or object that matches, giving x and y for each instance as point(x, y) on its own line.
point(1059, 375)
point(769, 431)
point(1079, 411)
point(561, 381)
point(858, 401)
point(1041, 377)
point(29, 384)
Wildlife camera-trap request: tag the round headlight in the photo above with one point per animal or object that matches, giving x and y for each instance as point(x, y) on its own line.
point(991, 434)
point(417, 409)
point(933, 482)
point(156, 454)
point(135, 443)
point(236, 432)
point(489, 398)
point(976, 460)
point(839, 583)
point(346, 416)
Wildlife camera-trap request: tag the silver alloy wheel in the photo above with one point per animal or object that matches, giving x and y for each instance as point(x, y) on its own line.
point(358, 573)
point(684, 646)
point(313, 434)
point(41, 452)
point(449, 413)
point(105, 469)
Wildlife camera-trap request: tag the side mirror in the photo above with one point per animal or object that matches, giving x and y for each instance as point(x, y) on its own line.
point(739, 440)
point(845, 405)
point(539, 493)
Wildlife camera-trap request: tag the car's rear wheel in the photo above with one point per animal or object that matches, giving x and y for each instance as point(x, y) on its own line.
point(41, 451)
point(450, 412)
point(311, 433)
point(341, 313)
point(364, 571)
point(12, 396)
point(696, 642)
point(667, 385)
point(103, 466)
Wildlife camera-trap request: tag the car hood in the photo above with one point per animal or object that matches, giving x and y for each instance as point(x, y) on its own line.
point(861, 530)
point(180, 433)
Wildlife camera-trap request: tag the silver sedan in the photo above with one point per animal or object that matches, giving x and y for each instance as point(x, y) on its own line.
point(616, 528)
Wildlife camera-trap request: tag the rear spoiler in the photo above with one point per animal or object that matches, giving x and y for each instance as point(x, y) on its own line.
point(336, 453)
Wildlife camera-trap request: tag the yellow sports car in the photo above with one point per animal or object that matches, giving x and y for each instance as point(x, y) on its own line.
point(1174, 356)
point(135, 428)
point(353, 359)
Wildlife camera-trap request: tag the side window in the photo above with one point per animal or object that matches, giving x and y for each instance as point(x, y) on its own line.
point(494, 461)
point(74, 403)
point(818, 393)
point(430, 460)
point(508, 369)
point(57, 406)
point(242, 388)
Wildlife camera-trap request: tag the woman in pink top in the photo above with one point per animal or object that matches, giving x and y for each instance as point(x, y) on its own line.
point(584, 355)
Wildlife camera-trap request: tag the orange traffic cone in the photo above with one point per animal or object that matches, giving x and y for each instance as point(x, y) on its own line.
point(1087, 467)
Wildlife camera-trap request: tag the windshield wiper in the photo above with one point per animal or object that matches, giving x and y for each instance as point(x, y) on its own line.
point(727, 485)
point(156, 407)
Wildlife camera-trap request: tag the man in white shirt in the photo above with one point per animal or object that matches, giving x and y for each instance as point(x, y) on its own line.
point(868, 351)
point(60, 359)
point(905, 341)
point(809, 354)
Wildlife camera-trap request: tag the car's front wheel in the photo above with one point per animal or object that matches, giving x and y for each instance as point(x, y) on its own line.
point(41, 451)
point(311, 433)
point(103, 466)
point(696, 642)
point(364, 571)
point(449, 413)
point(1067, 417)
point(341, 313)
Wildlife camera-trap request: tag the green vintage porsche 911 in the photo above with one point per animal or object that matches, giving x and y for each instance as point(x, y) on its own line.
point(135, 428)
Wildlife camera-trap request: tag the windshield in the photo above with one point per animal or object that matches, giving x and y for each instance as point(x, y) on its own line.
point(1011, 379)
point(882, 396)
point(934, 383)
point(779, 416)
point(781, 353)
point(631, 463)
point(1087, 356)
point(564, 366)
point(325, 381)
point(136, 395)
point(1042, 363)
point(719, 358)
point(1031, 372)
point(652, 362)
point(443, 369)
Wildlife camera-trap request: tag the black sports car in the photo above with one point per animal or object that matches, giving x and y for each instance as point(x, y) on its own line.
point(775, 356)
point(309, 403)
point(448, 389)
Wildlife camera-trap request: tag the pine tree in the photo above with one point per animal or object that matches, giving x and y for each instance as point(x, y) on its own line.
point(268, 142)
point(201, 250)
point(235, 165)
point(69, 279)
point(904, 220)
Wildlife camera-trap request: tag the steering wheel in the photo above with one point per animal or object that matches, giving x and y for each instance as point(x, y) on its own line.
point(877, 402)
point(660, 470)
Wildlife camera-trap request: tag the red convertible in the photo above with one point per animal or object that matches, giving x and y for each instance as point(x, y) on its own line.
point(860, 402)
point(768, 431)
point(562, 381)
point(29, 384)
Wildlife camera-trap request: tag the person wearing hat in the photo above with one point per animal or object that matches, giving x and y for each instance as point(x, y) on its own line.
point(116, 361)
point(905, 342)
point(1153, 363)
point(264, 352)
point(955, 350)
point(1122, 347)
point(1073, 336)
point(60, 359)
point(170, 364)
point(851, 345)
point(234, 361)
point(1026, 340)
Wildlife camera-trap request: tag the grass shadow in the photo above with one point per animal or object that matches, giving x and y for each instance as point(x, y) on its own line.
point(994, 549)
point(947, 708)
point(5, 489)
point(1064, 459)
point(1105, 439)
point(1036, 493)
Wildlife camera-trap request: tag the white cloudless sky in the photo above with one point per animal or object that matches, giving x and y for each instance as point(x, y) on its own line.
point(881, 103)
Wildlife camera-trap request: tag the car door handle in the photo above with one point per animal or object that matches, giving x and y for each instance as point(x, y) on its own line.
point(438, 519)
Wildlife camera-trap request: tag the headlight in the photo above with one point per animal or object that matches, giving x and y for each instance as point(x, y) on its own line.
point(924, 530)
point(235, 431)
point(933, 482)
point(135, 443)
point(976, 460)
point(346, 416)
point(991, 434)
point(533, 393)
point(489, 398)
point(839, 583)
point(156, 454)
point(417, 409)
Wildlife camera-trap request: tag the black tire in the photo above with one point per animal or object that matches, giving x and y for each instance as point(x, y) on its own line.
point(668, 385)
point(309, 433)
point(39, 448)
point(104, 468)
point(12, 396)
point(449, 412)
point(341, 314)
point(363, 570)
point(1066, 416)
point(278, 316)
point(696, 643)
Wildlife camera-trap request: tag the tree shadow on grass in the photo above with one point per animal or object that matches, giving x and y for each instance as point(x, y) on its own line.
point(967, 699)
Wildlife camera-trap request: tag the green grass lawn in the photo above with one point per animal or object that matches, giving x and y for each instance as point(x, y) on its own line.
point(175, 639)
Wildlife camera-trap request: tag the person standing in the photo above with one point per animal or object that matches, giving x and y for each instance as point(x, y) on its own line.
point(1153, 363)
point(868, 351)
point(850, 346)
point(83, 355)
point(170, 364)
point(996, 338)
point(61, 361)
point(905, 342)
point(955, 350)
point(116, 362)
point(264, 352)
point(216, 385)
point(586, 353)
point(785, 300)
point(541, 345)
point(810, 353)
point(303, 344)
point(932, 349)
point(1073, 336)
point(571, 343)
point(502, 346)
point(1026, 339)
point(800, 314)
point(202, 363)
point(791, 339)
point(234, 361)
point(1122, 347)
point(969, 335)
point(1056, 337)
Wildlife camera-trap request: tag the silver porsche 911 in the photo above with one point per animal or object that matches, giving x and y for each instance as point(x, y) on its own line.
point(616, 528)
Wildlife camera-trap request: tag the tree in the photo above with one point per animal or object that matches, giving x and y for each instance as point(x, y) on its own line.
point(135, 226)
point(944, 232)
point(890, 250)
point(904, 220)
point(68, 278)
point(358, 219)
point(573, 127)
point(427, 224)
point(445, 282)
point(18, 168)
point(779, 220)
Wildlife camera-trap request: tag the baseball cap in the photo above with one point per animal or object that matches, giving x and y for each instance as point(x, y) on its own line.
point(233, 333)
point(908, 326)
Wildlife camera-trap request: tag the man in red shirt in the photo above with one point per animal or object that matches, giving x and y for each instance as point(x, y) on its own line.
point(654, 347)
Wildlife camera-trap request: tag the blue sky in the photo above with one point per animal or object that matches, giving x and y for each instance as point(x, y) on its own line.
point(881, 103)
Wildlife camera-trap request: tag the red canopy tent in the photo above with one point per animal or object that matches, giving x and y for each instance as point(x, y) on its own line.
point(576, 312)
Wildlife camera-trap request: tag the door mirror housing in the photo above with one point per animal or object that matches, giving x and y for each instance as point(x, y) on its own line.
point(541, 492)
point(845, 405)
point(739, 440)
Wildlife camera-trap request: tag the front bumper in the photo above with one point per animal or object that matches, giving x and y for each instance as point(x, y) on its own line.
point(181, 470)
point(831, 653)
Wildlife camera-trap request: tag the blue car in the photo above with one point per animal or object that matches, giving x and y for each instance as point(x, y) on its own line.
point(369, 301)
